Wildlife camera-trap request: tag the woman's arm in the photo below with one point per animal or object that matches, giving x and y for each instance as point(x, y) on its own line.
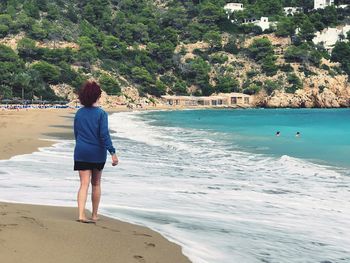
point(75, 128)
point(104, 133)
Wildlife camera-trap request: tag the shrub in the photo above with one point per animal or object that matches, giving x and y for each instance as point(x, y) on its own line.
point(295, 83)
point(321, 88)
point(4, 29)
point(252, 73)
point(218, 58)
point(261, 50)
point(270, 86)
point(252, 89)
point(48, 72)
point(231, 46)
point(286, 68)
point(227, 84)
point(180, 88)
point(303, 54)
point(109, 84)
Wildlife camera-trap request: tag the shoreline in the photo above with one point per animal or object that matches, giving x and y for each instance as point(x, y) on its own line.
point(24, 132)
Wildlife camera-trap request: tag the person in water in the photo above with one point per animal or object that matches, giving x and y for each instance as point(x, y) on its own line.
point(297, 134)
point(92, 141)
point(278, 133)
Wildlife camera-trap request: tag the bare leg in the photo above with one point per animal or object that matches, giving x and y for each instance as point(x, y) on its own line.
point(96, 192)
point(83, 192)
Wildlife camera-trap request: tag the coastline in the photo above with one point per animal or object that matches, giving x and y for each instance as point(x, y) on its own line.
point(37, 233)
point(23, 132)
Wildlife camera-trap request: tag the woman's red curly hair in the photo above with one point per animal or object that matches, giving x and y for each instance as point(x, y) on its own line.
point(89, 93)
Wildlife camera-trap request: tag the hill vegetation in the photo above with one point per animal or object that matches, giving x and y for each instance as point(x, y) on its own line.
point(146, 44)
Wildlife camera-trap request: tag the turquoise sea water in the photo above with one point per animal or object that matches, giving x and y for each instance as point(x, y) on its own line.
point(325, 133)
point(217, 182)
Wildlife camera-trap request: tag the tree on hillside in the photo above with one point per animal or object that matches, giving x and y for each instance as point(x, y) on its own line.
point(341, 54)
point(261, 50)
point(37, 31)
point(214, 40)
point(27, 48)
point(227, 84)
point(98, 12)
point(31, 9)
point(211, 13)
point(270, 86)
point(48, 72)
point(295, 83)
point(196, 72)
point(303, 54)
point(5, 24)
point(268, 7)
point(109, 84)
point(307, 31)
point(10, 66)
point(87, 52)
point(180, 88)
point(42, 5)
point(113, 47)
point(285, 27)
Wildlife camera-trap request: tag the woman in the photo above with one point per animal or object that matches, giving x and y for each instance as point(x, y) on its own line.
point(92, 142)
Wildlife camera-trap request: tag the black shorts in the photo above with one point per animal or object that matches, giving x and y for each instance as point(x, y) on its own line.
point(82, 166)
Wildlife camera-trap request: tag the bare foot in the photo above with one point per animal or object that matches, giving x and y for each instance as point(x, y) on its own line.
point(86, 221)
point(95, 218)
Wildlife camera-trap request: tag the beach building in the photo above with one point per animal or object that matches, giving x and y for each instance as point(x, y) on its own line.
point(291, 11)
point(329, 36)
point(263, 22)
point(233, 7)
point(321, 4)
point(219, 100)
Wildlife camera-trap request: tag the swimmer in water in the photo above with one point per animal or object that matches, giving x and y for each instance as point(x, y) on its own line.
point(278, 133)
point(297, 134)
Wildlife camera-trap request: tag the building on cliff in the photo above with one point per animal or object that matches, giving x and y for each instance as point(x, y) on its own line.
point(320, 4)
point(263, 22)
point(329, 36)
point(233, 7)
point(219, 100)
point(291, 11)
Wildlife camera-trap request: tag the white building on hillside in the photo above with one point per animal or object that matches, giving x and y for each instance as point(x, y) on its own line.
point(329, 36)
point(322, 3)
point(290, 11)
point(232, 7)
point(263, 22)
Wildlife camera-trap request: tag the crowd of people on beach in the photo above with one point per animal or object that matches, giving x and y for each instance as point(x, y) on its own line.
point(33, 106)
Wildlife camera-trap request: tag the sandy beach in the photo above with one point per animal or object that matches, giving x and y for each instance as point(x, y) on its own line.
point(31, 233)
point(24, 131)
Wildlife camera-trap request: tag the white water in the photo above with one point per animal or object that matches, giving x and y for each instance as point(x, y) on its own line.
point(220, 204)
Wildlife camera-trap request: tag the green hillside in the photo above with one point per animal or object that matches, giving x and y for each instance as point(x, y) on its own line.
point(143, 43)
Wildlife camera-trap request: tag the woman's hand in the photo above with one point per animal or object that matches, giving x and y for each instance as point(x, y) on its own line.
point(115, 160)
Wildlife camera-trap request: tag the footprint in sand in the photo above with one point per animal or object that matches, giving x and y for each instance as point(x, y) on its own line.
point(149, 245)
point(8, 225)
point(139, 258)
point(141, 234)
point(107, 228)
point(34, 221)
